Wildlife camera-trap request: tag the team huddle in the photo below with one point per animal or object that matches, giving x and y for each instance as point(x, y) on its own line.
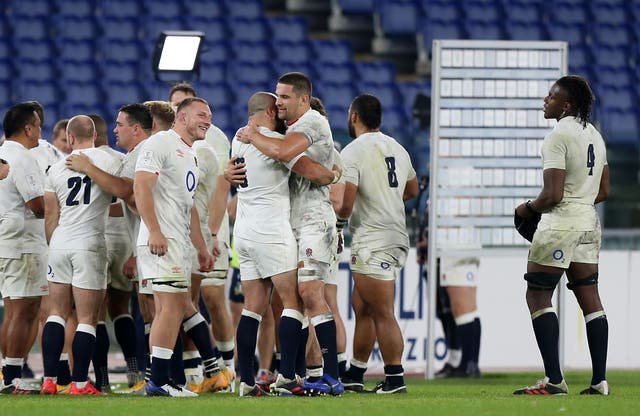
point(78, 232)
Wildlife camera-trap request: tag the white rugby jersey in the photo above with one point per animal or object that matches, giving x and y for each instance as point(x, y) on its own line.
point(263, 213)
point(380, 167)
point(116, 226)
point(84, 206)
point(221, 146)
point(307, 198)
point(207, 178)
point(174, 161)
point(582, 154)
point(24, 183)
point(132, 219)
point(34, 238)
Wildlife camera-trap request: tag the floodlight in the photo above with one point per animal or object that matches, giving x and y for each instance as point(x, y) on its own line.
point(176, 54)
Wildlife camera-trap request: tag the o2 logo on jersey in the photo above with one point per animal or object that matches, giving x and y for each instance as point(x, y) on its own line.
point(191, 181)
point(385, 266)
point(558, 255)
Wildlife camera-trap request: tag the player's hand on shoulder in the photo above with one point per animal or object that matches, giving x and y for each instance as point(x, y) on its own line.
point(4, 169)
point(235, 173)
point(78, 162)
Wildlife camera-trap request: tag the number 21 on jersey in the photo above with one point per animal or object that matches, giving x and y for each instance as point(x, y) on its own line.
point(75, 184)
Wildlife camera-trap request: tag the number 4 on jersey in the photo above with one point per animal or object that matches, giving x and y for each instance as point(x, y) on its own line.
point(591, 159)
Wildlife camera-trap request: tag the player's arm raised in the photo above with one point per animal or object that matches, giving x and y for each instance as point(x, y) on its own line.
point(283, 150)
point(113, 185)
point(143, 185)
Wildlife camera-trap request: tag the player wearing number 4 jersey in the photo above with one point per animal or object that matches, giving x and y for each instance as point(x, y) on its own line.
point(379, 178)
point(576, 176)
point(75, 219)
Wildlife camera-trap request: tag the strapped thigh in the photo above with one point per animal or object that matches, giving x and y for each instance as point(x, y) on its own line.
point(586, 281)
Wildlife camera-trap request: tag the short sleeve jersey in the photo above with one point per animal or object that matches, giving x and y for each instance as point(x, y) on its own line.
point(307, 198)
point(263, 205)
point(168, 156)
point(117, 228)
point(221, 146)
point(24, 183)
point(129, 171)
point(34, 239)
point(380, 167)
point(581, 153)
point(207, 178)
point(84, 206)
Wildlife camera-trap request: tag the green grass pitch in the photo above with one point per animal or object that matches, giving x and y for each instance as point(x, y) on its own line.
point(490, 395)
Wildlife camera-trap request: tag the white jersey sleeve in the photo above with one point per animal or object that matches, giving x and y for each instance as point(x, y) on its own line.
point(221, 146)
point(208, 172)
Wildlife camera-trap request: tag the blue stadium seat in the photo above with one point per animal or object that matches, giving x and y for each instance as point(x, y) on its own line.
point(338, 115)
point(524, 31)
point(376, 72)
point(76, 8)
point(47, 93)
point(36, 28)
point(125, 29)
point(330, 72)
point(70, 109)
point(215, 29)
point(289, 28)
point(243, 91)
point(206, 9)
point(151, 28)
point(6, 99)
point(251, 9)
point(482, 11)
point(573, 33)
point(616, 98)
point(567, 13)
point(409, 91)
point(223, 117)
point(117, 71)
point(441, 10)
point(77, 28)
point(579, 55)
point(434, 29)
point(609, 34)
point(477, 29)
point(120, 51)
point(614, 77)
point(214, 72)
point(215, 93)
point(612, 57)
point(522, 11)
point(30, 8)
point(38, 71)
point(117, 94)
point(86, 93)
point(6, 75)
point(258, 51)
point(394, 122)
point(282, 67)
point(357, 6)
point(292, 51)
point(76, 50)
point(34, 49)
point(251, 71)
point(620, 126)
point(333, 51)
point(398, 17)
point(121, 8)
point(51, 116)
point(249, 29)
point(335, 94)
point(217, 51)
point(85, 71)
point(163, 8)
point(608, 12)
point(387, 93)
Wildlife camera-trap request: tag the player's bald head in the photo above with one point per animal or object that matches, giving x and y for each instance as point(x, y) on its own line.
point(261, 101)
point(82, 128)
